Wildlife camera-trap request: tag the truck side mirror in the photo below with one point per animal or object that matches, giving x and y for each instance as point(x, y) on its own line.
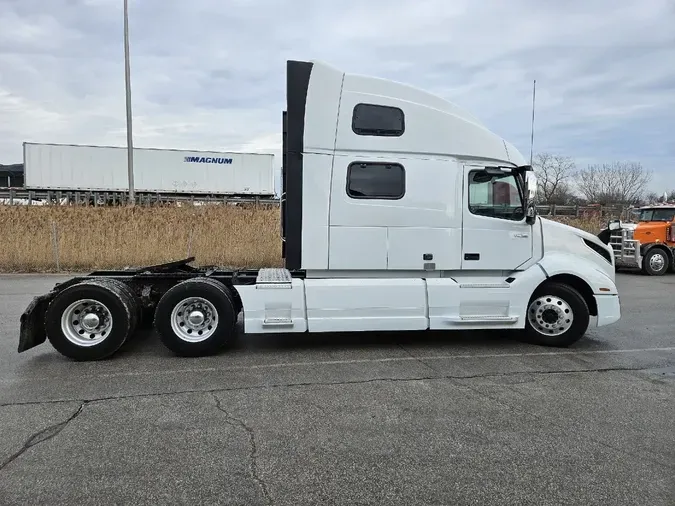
point(530, 196)
point(614, 225)
point(530, 186)
point(530, 215)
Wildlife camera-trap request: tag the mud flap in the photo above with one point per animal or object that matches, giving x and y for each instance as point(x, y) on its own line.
point(33, 330)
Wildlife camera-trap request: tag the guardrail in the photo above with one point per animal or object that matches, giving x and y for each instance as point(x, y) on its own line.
point(11, 196)
point(587, 211)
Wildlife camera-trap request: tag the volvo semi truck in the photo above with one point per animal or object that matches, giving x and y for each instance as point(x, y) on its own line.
point(400, 212)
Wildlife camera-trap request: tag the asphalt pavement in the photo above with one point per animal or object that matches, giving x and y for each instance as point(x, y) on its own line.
point(394, 419)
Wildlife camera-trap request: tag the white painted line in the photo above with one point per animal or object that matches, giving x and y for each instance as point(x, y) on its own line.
point(377, 360)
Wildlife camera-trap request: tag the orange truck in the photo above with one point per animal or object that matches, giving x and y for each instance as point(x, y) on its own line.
point(648, 244)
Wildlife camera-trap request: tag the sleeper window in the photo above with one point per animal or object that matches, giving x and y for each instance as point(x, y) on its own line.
point(378, 120)
point(375, 181)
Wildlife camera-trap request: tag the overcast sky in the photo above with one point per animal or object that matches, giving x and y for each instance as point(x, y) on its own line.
point(209, 74)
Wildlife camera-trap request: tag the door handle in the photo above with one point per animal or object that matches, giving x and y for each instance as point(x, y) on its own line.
point(471, 256)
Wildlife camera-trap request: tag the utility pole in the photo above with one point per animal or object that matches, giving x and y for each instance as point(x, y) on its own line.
point(127, 78)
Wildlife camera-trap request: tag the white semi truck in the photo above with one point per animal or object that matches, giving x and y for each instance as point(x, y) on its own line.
point(399, 211)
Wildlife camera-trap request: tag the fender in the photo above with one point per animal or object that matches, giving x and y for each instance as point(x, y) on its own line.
point(644, 248)
point(600, 282)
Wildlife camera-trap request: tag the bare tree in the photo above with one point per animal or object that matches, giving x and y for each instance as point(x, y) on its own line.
point(554, 173)
point(651, 197)
point(616, 183)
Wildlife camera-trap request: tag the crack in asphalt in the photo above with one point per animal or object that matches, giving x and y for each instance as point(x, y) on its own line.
point(53, 430)
point(416, 358)
point(253, 455)
point(333, 383)
point(43, 435)
point(547, 420)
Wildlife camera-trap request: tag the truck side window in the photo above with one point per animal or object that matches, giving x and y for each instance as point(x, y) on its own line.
point(496, 196)
point(378, 120)
point(375, 180)
point(657, 215)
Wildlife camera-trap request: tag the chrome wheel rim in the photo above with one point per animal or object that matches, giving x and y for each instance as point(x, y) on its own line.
point(550, 315)
point(194, 319)
point(657, 261)
point(86, 322)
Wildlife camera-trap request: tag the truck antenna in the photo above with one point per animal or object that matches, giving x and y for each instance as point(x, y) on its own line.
point(534, 90)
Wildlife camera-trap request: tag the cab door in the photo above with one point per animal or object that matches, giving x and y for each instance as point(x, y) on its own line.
point(495, 235)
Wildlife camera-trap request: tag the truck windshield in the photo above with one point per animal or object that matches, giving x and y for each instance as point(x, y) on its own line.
point(495, 195)
point(657, 215)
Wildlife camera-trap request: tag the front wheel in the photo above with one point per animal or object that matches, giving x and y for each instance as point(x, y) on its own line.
point(557, 315)
point(655, 262)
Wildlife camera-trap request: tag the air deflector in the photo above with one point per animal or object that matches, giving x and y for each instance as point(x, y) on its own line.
point(297, 83)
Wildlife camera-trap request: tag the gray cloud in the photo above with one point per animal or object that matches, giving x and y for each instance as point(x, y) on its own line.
point(209, 74)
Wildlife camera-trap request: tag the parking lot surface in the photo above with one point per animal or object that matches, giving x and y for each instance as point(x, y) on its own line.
point(409, 418)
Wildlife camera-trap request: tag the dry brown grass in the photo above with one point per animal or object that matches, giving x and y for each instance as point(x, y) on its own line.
point(116, 237)
point(590, 224)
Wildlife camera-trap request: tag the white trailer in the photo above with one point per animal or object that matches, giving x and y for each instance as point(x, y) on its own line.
point(66, 167)
point(400, 211)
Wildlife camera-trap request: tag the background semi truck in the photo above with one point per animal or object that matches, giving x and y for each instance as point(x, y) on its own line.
point(648, 244)
point(399, 211)
point(78, 168)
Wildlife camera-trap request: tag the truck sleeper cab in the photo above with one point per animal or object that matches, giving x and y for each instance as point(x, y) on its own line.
point(399, 211)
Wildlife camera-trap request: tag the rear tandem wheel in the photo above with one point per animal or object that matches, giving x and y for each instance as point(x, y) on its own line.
point(92, 319)
point(196, 317)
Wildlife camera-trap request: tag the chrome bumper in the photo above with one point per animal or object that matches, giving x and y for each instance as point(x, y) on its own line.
point(626, 251)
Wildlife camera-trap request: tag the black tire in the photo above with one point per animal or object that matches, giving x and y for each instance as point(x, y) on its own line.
point(218, 295)
point(647, 262)
point(114, 295)
point(576, 305)
point(133, 302)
